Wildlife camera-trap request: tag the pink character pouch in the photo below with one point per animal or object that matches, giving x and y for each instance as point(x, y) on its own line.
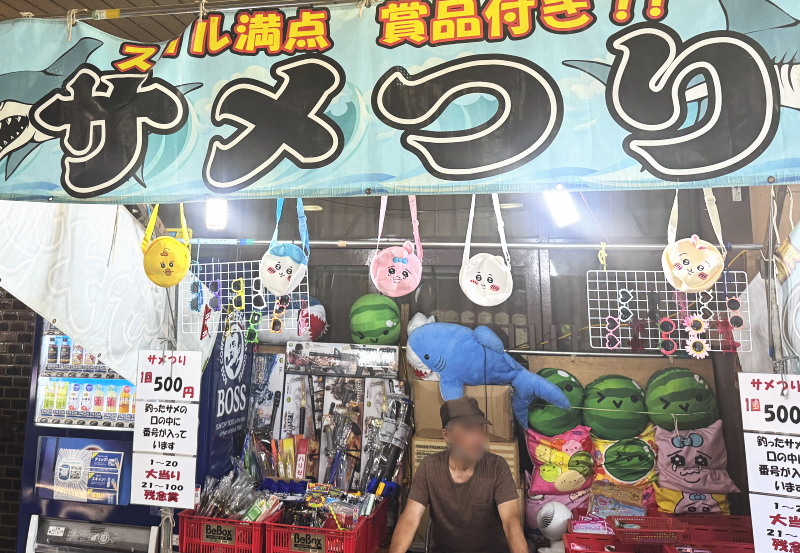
point(397, 270)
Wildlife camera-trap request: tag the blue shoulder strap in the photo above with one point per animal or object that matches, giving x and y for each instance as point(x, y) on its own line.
point(303, 225)
point(278, 211)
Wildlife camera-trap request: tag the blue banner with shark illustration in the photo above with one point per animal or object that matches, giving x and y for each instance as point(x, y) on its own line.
point(406, 97)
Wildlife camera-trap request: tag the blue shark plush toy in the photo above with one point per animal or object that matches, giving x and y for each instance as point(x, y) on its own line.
point(476, 357)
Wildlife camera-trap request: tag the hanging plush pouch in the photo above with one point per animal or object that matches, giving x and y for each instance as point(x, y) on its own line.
point(484, 278)
point(693, 265)
point(397, 271)
point(285, 264)
point(166, 259)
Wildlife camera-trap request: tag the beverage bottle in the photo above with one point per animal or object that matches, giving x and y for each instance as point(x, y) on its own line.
point(49, 395)
point(74, 397)
point(98, 398)
point(125, 399)
point(133, 401)
point(62, 388)
point(87, 397)
point(66, 350)
point(111, 399)
point(52, 350)
point(77, 354)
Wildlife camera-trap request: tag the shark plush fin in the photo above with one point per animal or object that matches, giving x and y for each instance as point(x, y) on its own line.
point(748, 16)
point(17, 156)
point(488, 339)
point(596, 69)
point(72, 58)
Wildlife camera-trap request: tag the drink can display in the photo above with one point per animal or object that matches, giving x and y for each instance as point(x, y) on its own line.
point(111, 399)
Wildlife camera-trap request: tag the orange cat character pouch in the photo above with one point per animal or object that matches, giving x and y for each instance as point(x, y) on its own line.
point(166, 259)
point(692, 265)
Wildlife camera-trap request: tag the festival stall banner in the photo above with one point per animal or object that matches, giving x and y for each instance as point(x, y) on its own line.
point(405, 97)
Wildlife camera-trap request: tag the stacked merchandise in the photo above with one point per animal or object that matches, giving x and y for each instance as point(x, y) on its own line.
point(692, 459)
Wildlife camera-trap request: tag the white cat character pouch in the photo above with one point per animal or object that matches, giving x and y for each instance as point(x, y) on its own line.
point(692, 264)
point(484, 278)
point(285, 264)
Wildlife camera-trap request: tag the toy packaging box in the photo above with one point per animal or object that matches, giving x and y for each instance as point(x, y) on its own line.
point(342, 359)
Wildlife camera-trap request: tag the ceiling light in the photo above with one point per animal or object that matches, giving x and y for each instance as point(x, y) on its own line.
point(216, 214)
point(312, 207)
point(562, 208)
point(511, 205)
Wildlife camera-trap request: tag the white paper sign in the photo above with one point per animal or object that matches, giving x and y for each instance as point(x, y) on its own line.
point(773, 463)
point(165, 427)
point(764, 409)
point(163, 480)
point(169, 375)
point(776, 523)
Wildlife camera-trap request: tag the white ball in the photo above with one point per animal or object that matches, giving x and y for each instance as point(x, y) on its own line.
point(553, 520)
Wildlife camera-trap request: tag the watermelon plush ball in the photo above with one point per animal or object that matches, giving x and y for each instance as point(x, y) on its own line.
point(614, 408)
point(549, 420)
point(685, 394)
point(375, 319)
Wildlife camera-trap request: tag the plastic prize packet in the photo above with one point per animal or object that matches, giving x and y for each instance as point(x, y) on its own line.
point(607, 499)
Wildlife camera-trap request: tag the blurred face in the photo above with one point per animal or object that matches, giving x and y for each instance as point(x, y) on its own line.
point(466, 440)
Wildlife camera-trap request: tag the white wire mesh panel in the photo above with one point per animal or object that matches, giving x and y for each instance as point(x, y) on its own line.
point(222, 276)
point(650, 298)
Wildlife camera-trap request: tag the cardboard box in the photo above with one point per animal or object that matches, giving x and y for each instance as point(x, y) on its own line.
point(422, 447)
point(428, 400)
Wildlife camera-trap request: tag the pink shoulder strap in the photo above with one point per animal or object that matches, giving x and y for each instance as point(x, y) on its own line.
point(412, 204)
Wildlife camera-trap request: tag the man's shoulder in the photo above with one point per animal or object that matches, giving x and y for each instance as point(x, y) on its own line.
point(495, 462)
point(435, 459)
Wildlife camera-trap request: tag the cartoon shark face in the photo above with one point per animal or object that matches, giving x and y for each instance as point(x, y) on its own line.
point(15, 127)
point(435, 343)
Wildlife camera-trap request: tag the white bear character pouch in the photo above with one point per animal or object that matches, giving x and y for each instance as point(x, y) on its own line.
point(691, 264)
point(484, 278)
point(285, 264)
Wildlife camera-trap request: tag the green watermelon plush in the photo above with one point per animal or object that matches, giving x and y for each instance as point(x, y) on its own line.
point(549, 420)
point(374, 319)
point(679, 391)
point(629, 460)
point(614, 408)
point(582, 462)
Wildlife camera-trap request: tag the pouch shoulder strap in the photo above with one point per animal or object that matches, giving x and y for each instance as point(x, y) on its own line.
point(412, 204)
point(672, 226)
point(151, 225)
point(501, 228)
point(302, 224)
point(711, 205)
point(468, 239)
point(278, 211)
point(185, 230)
point(381, 218)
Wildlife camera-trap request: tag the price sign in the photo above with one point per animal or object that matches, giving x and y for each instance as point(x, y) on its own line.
point(169, 375)
point(164, 427)
point(764, 408)
point(162, 480)
point(776, 523)
point(773, 463)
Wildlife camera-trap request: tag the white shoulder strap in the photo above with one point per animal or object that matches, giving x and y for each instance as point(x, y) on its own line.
point(467, 241)
point(501, 228)
point(711, 206)
point(672, 226)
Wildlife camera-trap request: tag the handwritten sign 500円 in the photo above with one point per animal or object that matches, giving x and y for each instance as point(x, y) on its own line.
point(769, 403)
point(169, 375)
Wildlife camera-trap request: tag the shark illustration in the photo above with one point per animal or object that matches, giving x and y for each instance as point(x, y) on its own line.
point(774, 29)
point(20, 90)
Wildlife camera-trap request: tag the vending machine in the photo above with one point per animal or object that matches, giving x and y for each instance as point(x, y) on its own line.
point(76, 492)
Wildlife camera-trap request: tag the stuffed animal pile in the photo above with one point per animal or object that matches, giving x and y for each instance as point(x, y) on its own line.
point(623, 434)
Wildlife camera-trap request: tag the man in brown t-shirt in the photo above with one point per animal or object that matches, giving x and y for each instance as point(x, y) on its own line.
point(471, 493)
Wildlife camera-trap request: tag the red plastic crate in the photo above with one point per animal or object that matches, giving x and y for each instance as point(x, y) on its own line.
point(215, 535)
point(716, 547)
point(281, 537)
point(656, 530)
point(715, 535)
point(597, 543)
point(716, 521)
point(378, 524)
